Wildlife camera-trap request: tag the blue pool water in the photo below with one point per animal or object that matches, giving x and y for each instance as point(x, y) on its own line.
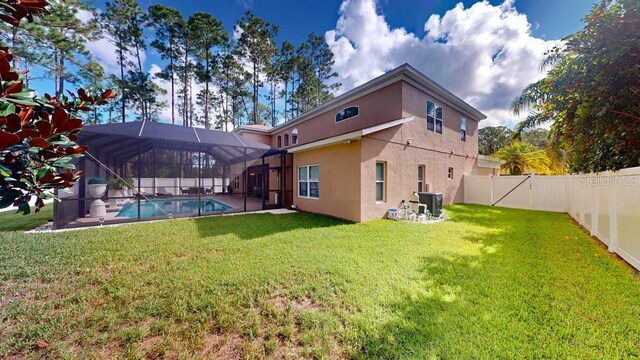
point(160, 207)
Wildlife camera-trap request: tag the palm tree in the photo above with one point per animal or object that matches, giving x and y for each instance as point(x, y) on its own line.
point(522, 157)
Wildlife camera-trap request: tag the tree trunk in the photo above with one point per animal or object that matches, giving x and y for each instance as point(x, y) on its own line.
point(15, 41)
point(173, 96)
point(206, 92)
point(55, 72)
point(286, 85)
point(185, 115)
point(61, 76)
point(122, 92)
point(27, 76)
point(143, 103)
point(255, 93)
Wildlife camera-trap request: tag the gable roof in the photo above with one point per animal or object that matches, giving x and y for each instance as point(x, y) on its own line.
point(404, 72)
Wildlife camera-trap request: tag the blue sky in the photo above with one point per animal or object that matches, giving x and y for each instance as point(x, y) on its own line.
point(484, 52)
point(552, 19)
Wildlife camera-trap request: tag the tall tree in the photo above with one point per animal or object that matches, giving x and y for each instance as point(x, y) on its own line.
point(208, 36)
point(114, 25)
point(56, 43)
point(286, 66)
point(167, 23)
point(94, 78)
point(232, 79)
point(185, 72)
point(492, 138)
point(256, 46)
point(321, 62)
point(538, 137)
point(591, 93)
point(123, 23)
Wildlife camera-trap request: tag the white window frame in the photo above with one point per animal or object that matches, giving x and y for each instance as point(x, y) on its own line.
point(463, 129)
point(421, 171)
point(349, 118)
point(294, 137)
point(435, 117)
point(383, 181)
point(309, 181)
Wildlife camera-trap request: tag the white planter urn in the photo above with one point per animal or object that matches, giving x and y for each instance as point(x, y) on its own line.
point(98, 208)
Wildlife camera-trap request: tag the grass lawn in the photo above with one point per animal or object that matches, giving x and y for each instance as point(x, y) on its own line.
point(490, 282)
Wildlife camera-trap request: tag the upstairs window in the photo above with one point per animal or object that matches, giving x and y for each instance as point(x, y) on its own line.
point(286, 140)
point(279, 141)
point(294, 137)
point(347, 113)
point(434, 117)
point(463, 129)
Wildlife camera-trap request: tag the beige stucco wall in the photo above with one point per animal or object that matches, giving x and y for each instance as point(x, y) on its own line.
point(339, 180)
point(402, 160)
point(262, 138)
point(375, 108)
point(486, 171)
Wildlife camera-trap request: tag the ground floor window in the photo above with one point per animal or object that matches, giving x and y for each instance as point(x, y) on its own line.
point(420, 178)
point(236, 182)
point(381, 172)
point(309, 181)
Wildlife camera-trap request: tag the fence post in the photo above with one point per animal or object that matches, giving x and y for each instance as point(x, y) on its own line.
point(492, 185)
point(613, 218)
point(531, 185)
point(594, 210)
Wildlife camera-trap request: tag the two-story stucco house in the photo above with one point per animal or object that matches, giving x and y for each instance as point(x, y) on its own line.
point(368, 149)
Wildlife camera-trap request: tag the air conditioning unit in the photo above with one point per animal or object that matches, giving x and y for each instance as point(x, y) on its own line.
point(433, 200)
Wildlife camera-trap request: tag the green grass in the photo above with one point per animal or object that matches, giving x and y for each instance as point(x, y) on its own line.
point(12, 221)
point(489, 283)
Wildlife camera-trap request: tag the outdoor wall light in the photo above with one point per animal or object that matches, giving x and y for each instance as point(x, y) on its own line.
point(408, 141)
point(347, 141)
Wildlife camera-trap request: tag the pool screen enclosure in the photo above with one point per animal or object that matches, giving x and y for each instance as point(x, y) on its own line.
point(159, 171)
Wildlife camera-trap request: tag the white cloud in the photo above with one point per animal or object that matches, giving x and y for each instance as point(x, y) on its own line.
point(84, 16)
point(484, 54)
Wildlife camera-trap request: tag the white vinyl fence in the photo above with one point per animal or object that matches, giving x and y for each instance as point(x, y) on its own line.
point(607, 204)
point(173, 186)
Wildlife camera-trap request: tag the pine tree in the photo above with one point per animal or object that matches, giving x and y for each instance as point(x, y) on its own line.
point(167, 23)
point(208, 36)
point(256, 47)
point(286, 66)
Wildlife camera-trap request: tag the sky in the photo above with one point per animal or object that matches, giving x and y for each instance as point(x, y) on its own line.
point(484, 52)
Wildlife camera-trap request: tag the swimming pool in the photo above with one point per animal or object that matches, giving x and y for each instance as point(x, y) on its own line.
point(162, 207)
